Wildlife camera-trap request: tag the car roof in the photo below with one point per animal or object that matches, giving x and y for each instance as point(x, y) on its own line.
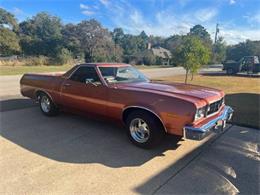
point(74, 68)
point(103, 64)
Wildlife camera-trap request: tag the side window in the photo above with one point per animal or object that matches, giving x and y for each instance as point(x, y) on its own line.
point(85, 75)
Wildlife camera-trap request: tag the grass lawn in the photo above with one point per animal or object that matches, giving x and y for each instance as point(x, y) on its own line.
point(15, 70)
point(242, 94)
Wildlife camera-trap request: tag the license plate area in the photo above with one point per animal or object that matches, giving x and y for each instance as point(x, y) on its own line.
point(221, 123)
point(220, 126)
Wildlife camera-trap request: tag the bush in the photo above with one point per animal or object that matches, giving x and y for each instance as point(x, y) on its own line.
point(36, 61)
point(10, 63)
point(63, 56)
point(30, 61)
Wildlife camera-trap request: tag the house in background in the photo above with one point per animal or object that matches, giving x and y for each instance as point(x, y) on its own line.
point(151, 55)
point(163, 54)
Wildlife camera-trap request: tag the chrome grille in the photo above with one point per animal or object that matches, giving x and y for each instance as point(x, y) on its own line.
point(214, 107)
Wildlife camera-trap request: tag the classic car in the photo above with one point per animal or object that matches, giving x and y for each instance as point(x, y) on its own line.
point(119, 92)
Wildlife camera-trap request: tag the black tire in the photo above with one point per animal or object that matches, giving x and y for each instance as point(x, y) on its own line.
point(52, 109)
point(156, 129)
point(230, 71)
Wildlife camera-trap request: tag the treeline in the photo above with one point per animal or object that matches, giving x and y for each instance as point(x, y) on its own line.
point(45, 36)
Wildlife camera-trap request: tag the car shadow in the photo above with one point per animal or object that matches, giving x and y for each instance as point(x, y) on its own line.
point(15, 104)
point(76, 139)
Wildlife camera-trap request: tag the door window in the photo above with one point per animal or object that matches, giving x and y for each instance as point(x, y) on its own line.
point(86, 75)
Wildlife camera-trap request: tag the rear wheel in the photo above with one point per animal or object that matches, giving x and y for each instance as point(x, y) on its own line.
point(47, 106)
point(144, 129)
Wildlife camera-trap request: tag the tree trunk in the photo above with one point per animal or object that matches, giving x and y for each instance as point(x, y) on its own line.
point(186, 76)
point(191, 76)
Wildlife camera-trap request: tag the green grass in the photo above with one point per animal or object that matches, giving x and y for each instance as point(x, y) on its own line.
point(16, 70)
point(242, 94)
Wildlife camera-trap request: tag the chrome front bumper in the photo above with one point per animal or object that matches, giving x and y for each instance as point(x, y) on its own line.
point(216, 124)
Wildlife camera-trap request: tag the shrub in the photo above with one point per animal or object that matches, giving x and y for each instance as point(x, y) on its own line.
point(11, 63)
point(37, 61)
point(63, 56)
point(30, 61)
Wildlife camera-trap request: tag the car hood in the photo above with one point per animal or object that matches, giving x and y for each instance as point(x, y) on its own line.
point(193, 93)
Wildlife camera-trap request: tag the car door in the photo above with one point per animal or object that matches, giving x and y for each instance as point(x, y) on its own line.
point(84, 91)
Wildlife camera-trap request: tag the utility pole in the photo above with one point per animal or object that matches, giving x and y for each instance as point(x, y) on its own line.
point(216, 33)
point(215, 41)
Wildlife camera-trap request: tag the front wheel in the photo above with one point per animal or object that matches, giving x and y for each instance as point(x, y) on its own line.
point(144, 129)
point(47, 106)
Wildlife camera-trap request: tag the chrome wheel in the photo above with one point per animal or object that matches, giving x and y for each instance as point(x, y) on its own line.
point(139, 130)
point(45, 104)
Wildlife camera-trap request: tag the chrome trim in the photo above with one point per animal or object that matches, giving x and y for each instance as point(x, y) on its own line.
point(45, 104)
point(207, 106)
point(201, 132)
point(147, 109)
point(219, 108)
point(214, 113)
point(139, 130)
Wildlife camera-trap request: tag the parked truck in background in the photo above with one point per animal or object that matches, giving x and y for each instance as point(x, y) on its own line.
point(249, 64)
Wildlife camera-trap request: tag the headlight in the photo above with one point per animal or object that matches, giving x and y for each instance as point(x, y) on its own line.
point(200, 113)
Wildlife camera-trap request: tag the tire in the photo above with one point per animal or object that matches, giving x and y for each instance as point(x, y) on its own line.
point(230, 71)
point(151, 132)
point(47, 106)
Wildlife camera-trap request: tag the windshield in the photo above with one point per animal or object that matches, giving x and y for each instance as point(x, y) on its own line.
point(124, 74)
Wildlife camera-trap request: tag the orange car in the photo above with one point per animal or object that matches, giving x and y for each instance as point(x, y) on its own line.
point(120, 92)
